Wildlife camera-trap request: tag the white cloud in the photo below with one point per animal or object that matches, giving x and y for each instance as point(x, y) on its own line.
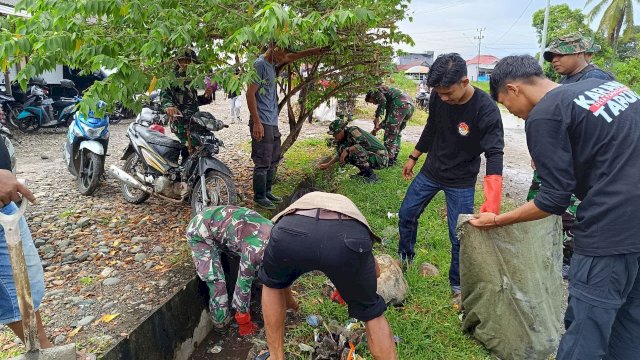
point(451, 25)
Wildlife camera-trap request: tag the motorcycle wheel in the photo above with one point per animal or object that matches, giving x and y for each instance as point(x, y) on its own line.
point(13, 116)
point(131, 194)
point(90, 173)
point(29, 124)
point(221, 190)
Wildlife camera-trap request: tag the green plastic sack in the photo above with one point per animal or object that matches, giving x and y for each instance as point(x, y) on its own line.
point(512, 286)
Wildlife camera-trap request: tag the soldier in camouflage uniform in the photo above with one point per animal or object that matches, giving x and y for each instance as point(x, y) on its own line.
point(238, 230)
point(180, 103)
point(568, 56)
point(357, 147)
point(346, 108)
point(397, 107)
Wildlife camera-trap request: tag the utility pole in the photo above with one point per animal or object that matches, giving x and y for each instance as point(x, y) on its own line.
point(479, 38)
point(545, 28)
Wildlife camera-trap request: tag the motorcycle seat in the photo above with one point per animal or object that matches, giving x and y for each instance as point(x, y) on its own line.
point(156, 138)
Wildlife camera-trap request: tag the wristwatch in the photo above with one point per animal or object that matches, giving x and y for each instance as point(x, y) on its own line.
point(413, 157)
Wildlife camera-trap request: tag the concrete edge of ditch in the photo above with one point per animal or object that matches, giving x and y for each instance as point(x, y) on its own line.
point(172, 331)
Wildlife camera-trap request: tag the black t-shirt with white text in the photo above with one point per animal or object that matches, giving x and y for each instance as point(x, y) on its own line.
point(585, 139)
point(456, 135)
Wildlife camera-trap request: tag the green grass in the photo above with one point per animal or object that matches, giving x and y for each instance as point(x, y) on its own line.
point(482, 85)
point(87, 280)
point(68, 212)
point(6, 337)
point(427, 323)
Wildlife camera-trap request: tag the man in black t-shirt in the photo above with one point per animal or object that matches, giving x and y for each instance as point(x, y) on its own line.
point(463, 123)
point(585, 140)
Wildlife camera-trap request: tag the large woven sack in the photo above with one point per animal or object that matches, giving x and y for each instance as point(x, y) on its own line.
point(512, 286)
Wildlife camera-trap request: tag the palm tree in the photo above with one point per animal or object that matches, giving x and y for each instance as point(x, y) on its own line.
point(617, 14)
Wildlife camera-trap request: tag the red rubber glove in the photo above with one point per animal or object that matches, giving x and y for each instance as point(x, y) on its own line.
point(245, 325)
point(335, 296)
point(492, 193)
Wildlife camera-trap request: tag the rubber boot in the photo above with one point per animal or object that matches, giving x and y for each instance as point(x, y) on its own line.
point(260, 190)
point(271, 174)
point(368, 175)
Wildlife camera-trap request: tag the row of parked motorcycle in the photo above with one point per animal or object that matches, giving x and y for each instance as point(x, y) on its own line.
point(155, 164)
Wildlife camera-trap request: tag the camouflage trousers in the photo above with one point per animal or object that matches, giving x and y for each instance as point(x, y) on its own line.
point(395, 122)
point(206, 257)
point(361, 158)
point(346, 108)
point(179, 129)
point(568, 218)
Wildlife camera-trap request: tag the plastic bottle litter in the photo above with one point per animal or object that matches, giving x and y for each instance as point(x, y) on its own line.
point(215, 350)
point(314, 320)
point(305, 348)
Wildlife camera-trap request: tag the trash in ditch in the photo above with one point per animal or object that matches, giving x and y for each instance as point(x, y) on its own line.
point(305, 348)
point(314, 320)
point(215, 350)
point(332, 341)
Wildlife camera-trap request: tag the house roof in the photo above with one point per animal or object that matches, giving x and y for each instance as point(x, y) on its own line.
point(409, 65)
point(417, 70)
point(483, 60)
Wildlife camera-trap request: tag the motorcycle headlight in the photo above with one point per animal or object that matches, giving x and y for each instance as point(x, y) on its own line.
point(92, 132)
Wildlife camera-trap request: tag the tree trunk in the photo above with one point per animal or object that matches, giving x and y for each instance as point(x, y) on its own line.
point(7, 83)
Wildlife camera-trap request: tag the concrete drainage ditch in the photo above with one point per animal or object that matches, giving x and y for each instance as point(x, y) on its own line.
point(181, 329)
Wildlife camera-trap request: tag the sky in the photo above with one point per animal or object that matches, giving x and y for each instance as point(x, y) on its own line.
point(452, 25)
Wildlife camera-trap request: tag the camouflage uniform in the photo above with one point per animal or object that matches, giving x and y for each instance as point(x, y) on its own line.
point(228, 228)
point(369, 151)
point(186, 99)
point(398, 108)
point(346, 107)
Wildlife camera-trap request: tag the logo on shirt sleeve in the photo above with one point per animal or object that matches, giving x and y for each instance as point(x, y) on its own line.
point(463, 129)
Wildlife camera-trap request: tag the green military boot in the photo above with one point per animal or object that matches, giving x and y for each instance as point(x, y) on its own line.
point(259, 191)
point(271, 174)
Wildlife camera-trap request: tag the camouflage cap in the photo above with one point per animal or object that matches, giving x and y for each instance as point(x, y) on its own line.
point(336, 126)
point(567, 45)
point(594, 49)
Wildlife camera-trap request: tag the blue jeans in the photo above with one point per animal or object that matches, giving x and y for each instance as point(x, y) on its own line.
point(419, 194)
point(9, 310)
point(603, 317)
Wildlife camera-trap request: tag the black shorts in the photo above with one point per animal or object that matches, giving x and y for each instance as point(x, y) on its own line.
point(341, 249)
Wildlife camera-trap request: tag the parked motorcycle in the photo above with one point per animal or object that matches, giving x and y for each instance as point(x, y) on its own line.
point(86, 148)
point(5, 136)
point(10, 108)
point(422, 100)
point(152, 166)
point(41, 111)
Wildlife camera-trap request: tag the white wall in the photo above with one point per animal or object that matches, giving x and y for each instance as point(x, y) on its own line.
point(51, 77)
point(472, 72)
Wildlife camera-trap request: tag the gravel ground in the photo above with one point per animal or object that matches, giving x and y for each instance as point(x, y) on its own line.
point(103, 256)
